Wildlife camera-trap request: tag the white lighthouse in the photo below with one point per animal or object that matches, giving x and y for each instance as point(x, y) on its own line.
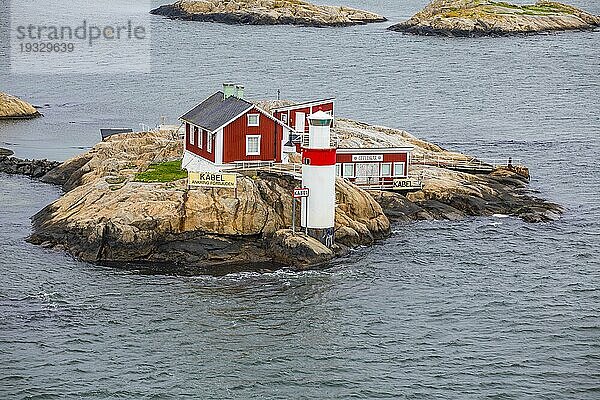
point(318, 175)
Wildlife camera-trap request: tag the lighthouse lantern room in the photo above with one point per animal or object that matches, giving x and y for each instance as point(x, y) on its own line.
point(318, 175)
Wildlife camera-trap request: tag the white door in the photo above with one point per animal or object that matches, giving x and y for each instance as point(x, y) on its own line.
point(300, 122)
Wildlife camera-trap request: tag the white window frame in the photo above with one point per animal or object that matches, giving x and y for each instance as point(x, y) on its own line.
point(353, 165)
point(192, 129)
point(257, 119)
point(338, 169)
point(209, 142)
point(395, 169)
point(389, 174)
point(248, 152)
point(200, 137)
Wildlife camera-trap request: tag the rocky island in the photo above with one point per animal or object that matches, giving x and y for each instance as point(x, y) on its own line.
point(127, 201)
point(485, 17)
point(12, 107)
point(266, 12)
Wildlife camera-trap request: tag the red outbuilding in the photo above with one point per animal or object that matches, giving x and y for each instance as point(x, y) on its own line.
point(376, 167)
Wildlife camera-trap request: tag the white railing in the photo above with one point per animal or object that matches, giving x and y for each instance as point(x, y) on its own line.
point(333, 142)
point(267, 166)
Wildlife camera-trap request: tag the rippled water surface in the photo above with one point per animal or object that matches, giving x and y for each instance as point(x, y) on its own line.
point(480, 308)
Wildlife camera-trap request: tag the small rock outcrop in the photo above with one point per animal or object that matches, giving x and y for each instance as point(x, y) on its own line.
point(17, 166)
point(106, 216)
point(266, 12)
point(12, 107)
point(485, 17)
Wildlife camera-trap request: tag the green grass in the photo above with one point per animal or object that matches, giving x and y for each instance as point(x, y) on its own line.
point(532, 9)
point(163, 172)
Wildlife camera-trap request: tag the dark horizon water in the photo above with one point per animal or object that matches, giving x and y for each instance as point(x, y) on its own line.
point(481, 308)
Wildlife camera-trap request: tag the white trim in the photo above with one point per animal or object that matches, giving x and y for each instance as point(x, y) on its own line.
point(338, 169)
point(306, 104)
point(260, 110)
point(389, 164)
point(247, 140)
point(353, 170)
point(200, 137)
point(394, 169)
point(209, 142)
point(219, 147)
point(248, 116)
point(192, 129)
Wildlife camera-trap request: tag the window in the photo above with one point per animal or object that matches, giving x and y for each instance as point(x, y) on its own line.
point(191, 135)
point(338, 169)
point(284, 118)
point(386, 169)
point(253, 145)
point(349, 170)
point(209, 142)
point(253, 120)
point(398, 169)
point(200, 137)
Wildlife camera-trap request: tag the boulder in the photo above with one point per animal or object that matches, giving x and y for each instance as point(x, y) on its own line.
point(12, 107)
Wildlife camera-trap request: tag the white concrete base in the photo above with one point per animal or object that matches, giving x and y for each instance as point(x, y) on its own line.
point(194, 163)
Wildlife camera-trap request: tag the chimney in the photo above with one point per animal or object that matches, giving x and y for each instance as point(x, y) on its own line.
point(239, 91)
point(229, 89)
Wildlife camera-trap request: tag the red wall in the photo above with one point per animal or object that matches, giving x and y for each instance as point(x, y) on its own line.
point(194, 148)
point(234, 139)
point(392, 157)
point(307, 111)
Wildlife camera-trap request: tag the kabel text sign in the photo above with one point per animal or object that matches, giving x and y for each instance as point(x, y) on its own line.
point(207, 179)
point(300, 192)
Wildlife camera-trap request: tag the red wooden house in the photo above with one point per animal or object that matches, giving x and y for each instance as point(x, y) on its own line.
point(225, 128)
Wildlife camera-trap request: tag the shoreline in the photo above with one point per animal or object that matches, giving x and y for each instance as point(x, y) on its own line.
point(478, 18)
point(105, 216)
point(254, 12)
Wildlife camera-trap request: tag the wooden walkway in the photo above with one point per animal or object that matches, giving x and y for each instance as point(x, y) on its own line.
point(463, 164)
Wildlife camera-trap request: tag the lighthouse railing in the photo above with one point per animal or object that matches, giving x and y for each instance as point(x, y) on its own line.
point(333, 142)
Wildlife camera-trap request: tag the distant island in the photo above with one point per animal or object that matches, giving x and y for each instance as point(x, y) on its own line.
point(266, 12)
point(488, 18)
point(12, 107)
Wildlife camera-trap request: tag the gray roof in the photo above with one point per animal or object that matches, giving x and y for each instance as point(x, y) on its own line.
point(215, 112)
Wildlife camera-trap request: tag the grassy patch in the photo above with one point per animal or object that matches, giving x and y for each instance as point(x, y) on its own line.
point(533, 9)
point(163, 172)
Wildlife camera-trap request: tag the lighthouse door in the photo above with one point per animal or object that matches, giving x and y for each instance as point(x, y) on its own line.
point(367, 173)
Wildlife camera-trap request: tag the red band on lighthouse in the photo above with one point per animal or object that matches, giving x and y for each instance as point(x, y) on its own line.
point(318, 157)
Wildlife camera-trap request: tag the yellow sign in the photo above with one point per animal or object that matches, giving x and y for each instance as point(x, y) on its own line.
point(208, 179)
